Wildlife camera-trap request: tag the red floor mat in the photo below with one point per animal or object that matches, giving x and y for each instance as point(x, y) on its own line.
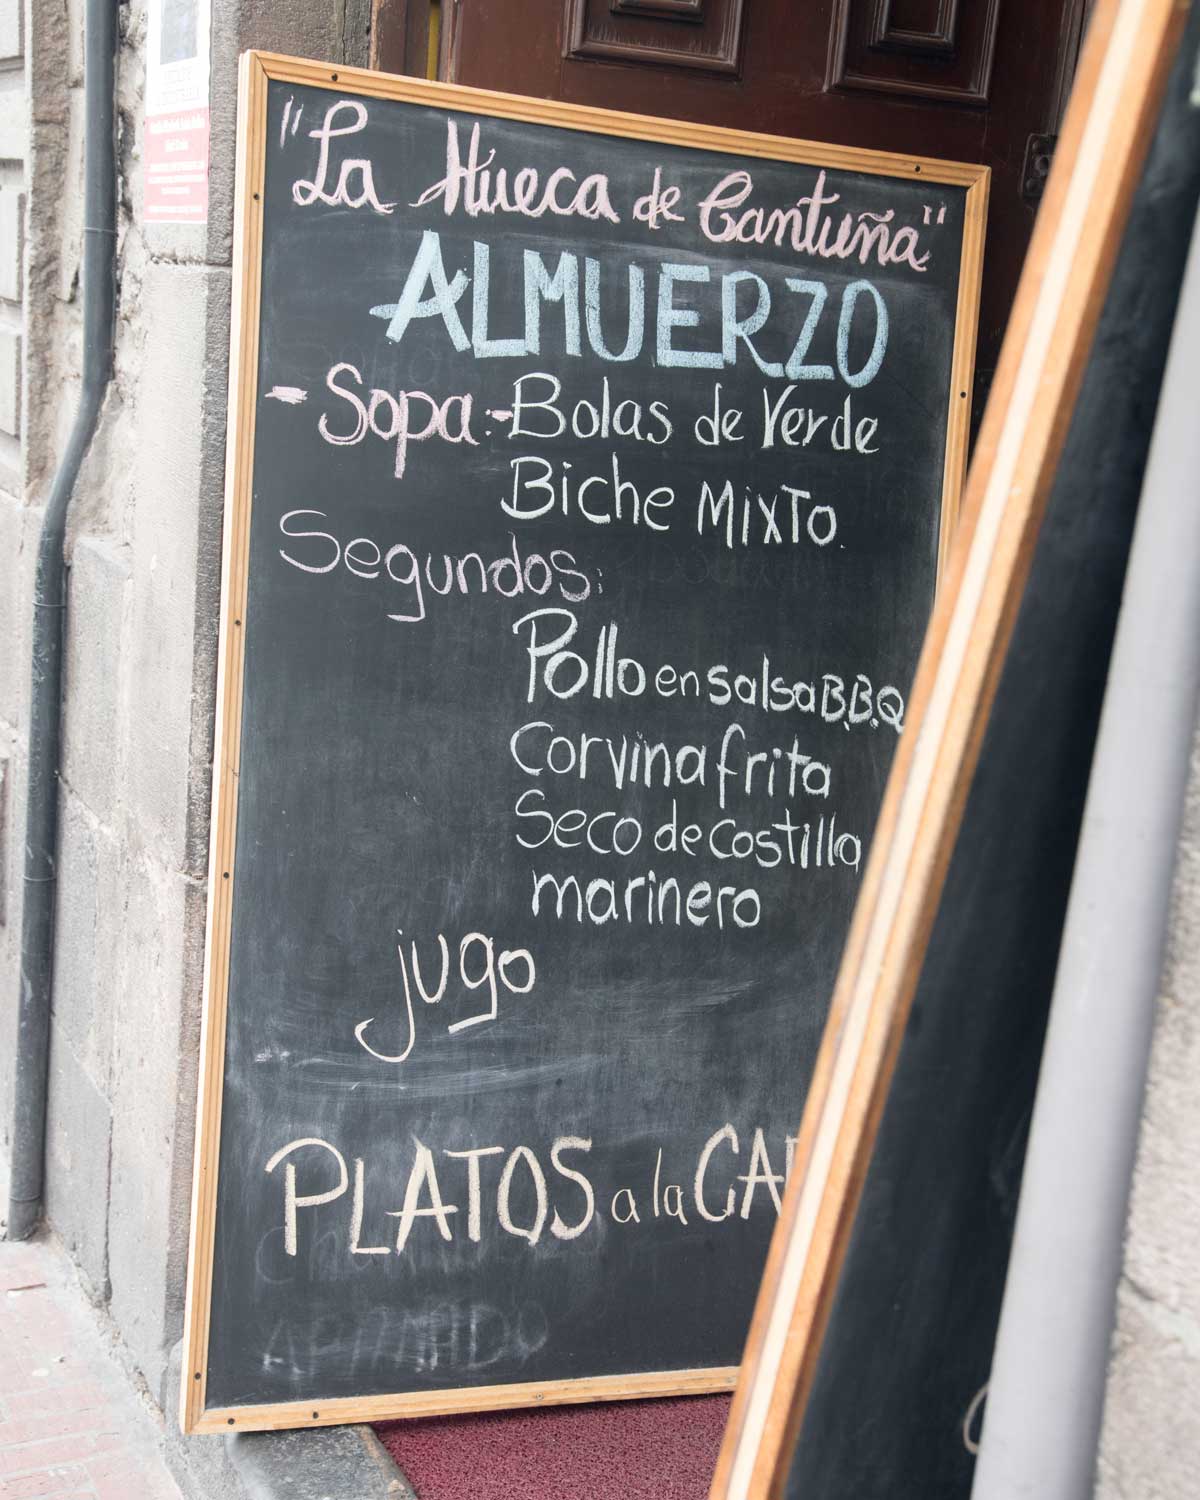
point(635, 1450)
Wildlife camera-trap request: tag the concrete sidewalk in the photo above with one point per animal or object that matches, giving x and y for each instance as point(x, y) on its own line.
point(71, 1424)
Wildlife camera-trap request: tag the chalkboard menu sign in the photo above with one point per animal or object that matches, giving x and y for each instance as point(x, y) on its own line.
point(588, 477)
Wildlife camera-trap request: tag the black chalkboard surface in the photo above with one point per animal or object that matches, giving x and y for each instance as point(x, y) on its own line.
point(587, 482)
point(898, 1402)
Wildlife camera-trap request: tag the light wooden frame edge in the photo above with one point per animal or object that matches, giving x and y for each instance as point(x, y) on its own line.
point(1119, 87)
point(256, 71)
point(461, 1399)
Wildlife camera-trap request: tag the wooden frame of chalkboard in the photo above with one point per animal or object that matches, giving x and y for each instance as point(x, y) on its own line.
point(257, 71)
point(1109, 123)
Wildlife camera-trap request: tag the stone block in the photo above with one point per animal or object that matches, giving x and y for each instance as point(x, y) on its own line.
point(1181, 972)
point(323, 1463)
point(1150, 1444)
point(11, 19)
point(50, 67)
point(164, 539)
point(208, 569)
point(1151, 1441)
point(68, 146)
point(148, 1222)
point(6, 830)
point(10, 381)
point(74, 14)
point(78, 1144)
point(18, 543)
point(185, 1079)
point(86, 993)
point(73, 998)
point(14, 124)
point(1162, 1250)
point(94, 722)
point(12, 241)
point(11, 465)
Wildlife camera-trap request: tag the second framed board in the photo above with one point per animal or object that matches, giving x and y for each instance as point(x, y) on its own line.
point(588, 478)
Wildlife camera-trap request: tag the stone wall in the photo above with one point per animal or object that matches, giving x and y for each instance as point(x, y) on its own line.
point(1150, 1447)
point(144, 555)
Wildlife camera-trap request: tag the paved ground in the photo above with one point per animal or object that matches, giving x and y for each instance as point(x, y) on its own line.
point(71, 1426)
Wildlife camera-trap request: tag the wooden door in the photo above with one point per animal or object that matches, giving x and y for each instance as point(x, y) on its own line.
point(973, 80)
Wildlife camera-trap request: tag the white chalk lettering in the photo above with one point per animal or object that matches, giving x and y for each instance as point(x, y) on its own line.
point(307, 191)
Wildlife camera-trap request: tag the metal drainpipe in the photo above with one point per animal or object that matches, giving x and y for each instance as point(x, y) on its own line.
point(1046, 1398)
point(49, 619)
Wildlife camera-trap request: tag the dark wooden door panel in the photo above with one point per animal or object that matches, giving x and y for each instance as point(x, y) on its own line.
point(970, 80)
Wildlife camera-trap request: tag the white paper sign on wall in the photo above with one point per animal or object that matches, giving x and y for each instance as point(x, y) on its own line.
point(176, 145)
